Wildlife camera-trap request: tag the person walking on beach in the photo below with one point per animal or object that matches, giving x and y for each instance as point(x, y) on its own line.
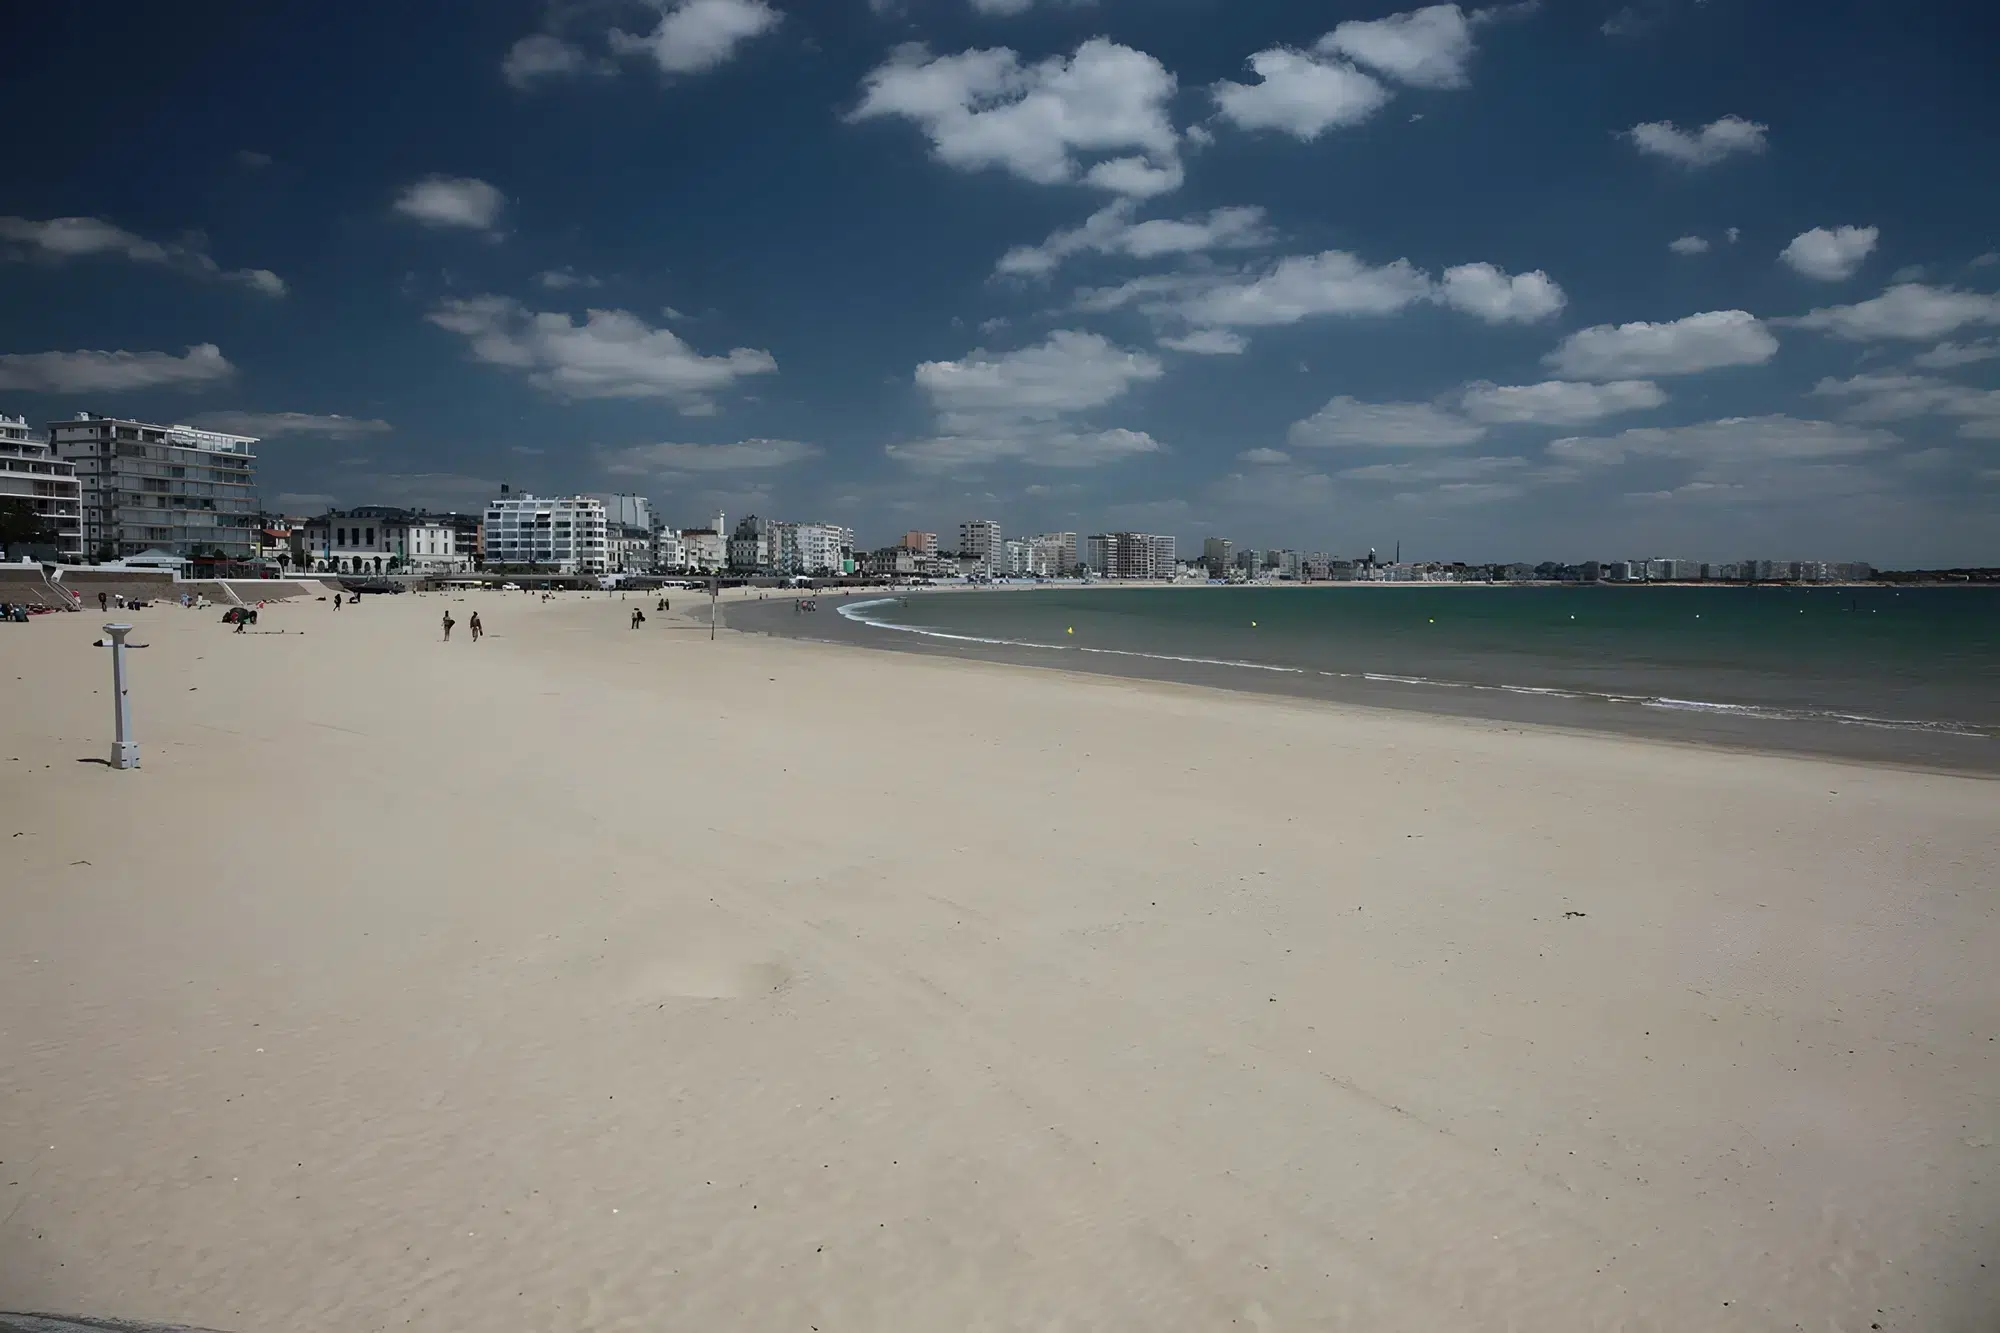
point(477, 629)
point(103, 603)
point(638, 617)
point(447, 626)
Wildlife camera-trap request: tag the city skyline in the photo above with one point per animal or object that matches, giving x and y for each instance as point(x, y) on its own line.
point(1548, 281)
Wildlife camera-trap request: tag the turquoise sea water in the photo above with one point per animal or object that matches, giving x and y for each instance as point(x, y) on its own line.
point(1917, 658)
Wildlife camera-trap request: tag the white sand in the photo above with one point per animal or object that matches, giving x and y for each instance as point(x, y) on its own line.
point(596, 979)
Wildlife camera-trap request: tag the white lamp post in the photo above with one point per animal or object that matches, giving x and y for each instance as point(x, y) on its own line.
point(124, 750)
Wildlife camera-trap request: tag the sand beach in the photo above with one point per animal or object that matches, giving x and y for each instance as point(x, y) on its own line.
point(602, 978)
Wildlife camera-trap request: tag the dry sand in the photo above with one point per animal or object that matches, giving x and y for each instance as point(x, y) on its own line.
point(587, 978)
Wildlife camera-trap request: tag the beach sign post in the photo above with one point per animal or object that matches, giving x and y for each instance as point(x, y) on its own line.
point(124, 750)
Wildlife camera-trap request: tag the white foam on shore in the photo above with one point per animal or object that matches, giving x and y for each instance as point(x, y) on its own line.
point(1750, 711)
point(849, 610)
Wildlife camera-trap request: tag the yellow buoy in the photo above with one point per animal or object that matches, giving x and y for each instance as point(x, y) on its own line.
point(1070, 630)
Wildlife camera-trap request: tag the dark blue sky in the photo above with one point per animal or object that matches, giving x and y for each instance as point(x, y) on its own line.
point(1583, 278)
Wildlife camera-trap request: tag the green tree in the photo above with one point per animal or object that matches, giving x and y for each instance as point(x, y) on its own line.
point(21, 524)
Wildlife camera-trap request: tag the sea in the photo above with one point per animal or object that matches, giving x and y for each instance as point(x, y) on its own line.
point(1903, 674)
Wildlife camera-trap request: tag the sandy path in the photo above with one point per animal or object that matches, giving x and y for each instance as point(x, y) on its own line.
point(600, 979)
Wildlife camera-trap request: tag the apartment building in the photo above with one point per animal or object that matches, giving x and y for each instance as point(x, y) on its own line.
point(1130, 555)
point(754, 544)
point(923, 543)
point(150, 487)
point(468, 536)
point(30, 471)
point(823, 548)
point(703, 550)
point(980, 539)
point(1057, 550)
point(567, 534)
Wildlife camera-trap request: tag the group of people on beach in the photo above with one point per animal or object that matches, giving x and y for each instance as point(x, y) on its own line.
point(478, 630)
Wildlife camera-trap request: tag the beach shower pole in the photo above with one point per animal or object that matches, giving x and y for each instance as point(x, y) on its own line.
point(714, 587)
point(124, 750)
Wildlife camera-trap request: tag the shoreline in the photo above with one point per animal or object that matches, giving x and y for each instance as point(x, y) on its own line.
point(1882, 742)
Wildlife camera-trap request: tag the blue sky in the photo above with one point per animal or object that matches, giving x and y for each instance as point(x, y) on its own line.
point(1570, 279)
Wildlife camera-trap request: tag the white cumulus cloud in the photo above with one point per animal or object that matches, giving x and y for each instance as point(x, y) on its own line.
point(565, 278)
point(1112, 231)
point(1067, 372)
point(1300, 94)
point(1024, 405)
point(697, 35)
point(1949, 355)
point(1333, 282)
point(612, 354)
point(1707, 341)
point(1009, 8)
point(738, 456)
point(1207, 342)
point(1346, 422)
point(1558, 402)
point(58, 239)
point(1306, 93)
point(540, 56)
point(1688, 245)
point(1265, 457)
point(1427, 47)
point(1911, 310)
point(1829, 255)
point(278, 425)
point(1699, 148)
point(986, 109)
point(1896, 397)
point(1491, 295)
point(1437, 469)
point(111, 372)
point(452, 201)
point(1731, 439)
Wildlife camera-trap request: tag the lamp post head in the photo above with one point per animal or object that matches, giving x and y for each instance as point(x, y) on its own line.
point(118, 632)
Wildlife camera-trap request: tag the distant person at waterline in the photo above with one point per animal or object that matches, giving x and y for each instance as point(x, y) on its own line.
point(478, 631)
point(448, 622)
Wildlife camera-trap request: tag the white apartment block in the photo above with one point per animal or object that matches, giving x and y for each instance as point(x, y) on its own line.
point(622, 510)
point(566, 534)
point(151, 487)
point(30, 471)
point(823, 548)
point(980, 539)
point(703, 550)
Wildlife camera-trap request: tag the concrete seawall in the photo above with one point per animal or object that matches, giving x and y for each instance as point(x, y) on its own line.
point(19, 583)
